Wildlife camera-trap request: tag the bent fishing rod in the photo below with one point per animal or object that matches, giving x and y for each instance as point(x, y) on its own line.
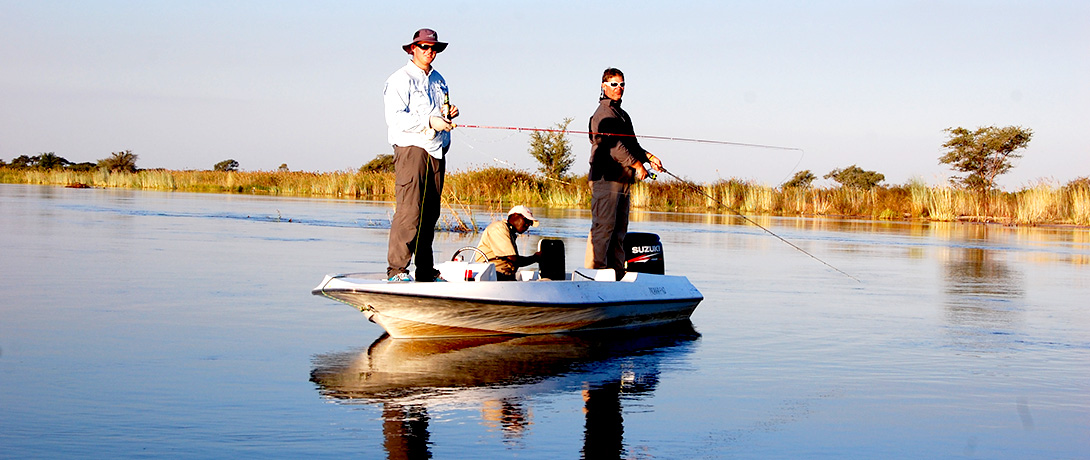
point(640, 136)
point(747, 219)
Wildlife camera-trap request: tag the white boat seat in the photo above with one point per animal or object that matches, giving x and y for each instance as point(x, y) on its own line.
point(455, 271)
point(605, 274)
point(527, 275)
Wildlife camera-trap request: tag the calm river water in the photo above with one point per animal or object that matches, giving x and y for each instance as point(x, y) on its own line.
point(147, 324)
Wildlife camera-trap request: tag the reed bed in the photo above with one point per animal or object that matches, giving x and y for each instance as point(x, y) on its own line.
point(1078, 204)
point(1040, 204)
point(919, 195)
point(334, 184)
point(501, 188)
point(796, 200)
point(943, 204)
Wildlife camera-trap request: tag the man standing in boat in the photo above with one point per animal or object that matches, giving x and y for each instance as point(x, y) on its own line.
point(498, 243)
point(419, 114)
point(616, 162)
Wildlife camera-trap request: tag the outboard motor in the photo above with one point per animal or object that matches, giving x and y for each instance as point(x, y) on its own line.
point(643, 253)
point(551, 263)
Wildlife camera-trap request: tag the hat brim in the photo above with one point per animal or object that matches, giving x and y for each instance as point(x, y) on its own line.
point(439, 47)
point(533, 222)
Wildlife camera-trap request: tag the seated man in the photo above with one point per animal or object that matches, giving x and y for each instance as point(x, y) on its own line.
point(498, 243)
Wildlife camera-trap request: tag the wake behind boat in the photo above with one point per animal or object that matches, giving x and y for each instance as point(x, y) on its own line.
point(545, 301)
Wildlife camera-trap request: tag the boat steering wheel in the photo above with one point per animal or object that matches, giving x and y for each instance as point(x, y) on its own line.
point(468, 248)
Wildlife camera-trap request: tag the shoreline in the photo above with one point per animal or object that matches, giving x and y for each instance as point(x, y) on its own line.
point(1065, 206)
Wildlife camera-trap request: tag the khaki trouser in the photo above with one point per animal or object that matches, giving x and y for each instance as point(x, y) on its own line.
point(418, 188)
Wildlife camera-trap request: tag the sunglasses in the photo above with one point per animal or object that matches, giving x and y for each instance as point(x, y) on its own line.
point(614, 84)
point(425, 47)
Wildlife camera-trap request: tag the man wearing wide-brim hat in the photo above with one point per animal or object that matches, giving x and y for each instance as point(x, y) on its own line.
point(418, 116)
point(426, 36)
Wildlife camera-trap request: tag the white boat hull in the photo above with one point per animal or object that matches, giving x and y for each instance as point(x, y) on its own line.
point(462, 309)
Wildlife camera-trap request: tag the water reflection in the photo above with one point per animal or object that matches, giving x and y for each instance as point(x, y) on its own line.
point(982, 294)
point(498, 375)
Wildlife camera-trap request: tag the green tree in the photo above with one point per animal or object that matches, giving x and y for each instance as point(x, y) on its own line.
point(802, 179)
point(226, 165)
point(984, 154)
point(84, 166)
point(382, 163)
point(553, 150)
point(119, 161)
point(854, 176)
point(22, 162)
point(48, 160)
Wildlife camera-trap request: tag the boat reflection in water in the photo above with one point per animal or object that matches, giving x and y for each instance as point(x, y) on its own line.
point(409, 377)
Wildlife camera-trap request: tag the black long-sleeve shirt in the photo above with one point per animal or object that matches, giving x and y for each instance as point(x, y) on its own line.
point(612, 157)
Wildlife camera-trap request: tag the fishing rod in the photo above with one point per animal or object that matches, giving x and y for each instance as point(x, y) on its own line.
point(689, 184)
point(641, 136)
point(747, 219)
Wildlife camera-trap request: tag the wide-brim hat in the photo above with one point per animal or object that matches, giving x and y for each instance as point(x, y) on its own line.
point(524, 212)
point(425, 36)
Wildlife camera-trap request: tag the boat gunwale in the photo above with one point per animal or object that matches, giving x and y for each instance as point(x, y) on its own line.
point(514, 303)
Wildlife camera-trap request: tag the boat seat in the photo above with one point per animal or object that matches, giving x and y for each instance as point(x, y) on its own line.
point(527, 275)
point(605, 274)
point(455, 271)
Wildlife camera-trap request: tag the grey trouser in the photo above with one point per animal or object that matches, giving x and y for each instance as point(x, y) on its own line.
point(418, 188)
point(609, 203)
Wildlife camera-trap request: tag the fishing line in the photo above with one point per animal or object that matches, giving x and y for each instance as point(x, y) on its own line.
point(640, 136)
point(747, 219)
point(689, 184)
point(790, 174)
point(483, 141)
point(802, 153)
point(497, 160)
point(474, 149)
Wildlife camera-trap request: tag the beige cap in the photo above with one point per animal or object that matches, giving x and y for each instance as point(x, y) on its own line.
point(525, 212)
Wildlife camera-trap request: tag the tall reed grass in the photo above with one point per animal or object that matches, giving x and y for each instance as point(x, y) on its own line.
point(1040, 204)
point(334, 184)
point(1079, 204)
point(501, 188)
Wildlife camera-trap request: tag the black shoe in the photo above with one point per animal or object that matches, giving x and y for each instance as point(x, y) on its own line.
point(434, 277)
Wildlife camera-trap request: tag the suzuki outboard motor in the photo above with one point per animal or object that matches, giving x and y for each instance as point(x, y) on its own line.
point(643, 253)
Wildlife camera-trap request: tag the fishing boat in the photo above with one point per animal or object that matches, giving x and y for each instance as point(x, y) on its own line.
point(544, 301)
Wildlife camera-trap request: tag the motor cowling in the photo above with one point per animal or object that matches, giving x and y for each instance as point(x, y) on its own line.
point(643, 253)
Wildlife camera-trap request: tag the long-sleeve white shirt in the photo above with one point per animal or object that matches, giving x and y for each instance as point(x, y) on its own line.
point(411, 97)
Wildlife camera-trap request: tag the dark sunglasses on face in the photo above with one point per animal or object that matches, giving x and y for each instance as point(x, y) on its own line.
point(614, 84)
point(425, 47)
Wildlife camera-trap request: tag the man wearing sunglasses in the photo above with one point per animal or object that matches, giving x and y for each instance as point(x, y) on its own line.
point(616, 162)
point(418, 114)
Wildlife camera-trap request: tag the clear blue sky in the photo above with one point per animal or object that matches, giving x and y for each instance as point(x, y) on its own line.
point(186, 84)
